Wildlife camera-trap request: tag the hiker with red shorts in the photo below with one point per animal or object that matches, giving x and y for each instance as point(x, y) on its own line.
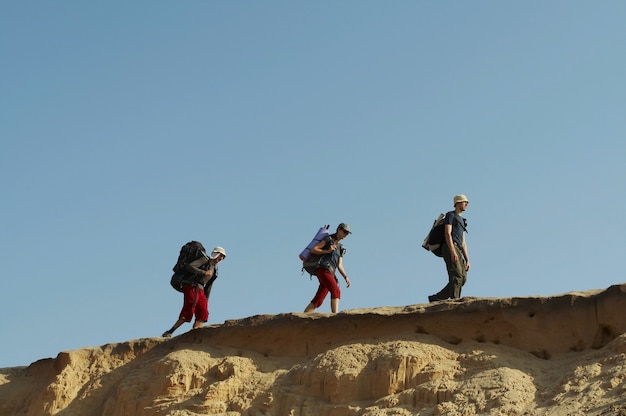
point(203, 272)
point(332, 254)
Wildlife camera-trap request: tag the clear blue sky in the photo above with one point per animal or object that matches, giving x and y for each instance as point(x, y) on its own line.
point(129, 128)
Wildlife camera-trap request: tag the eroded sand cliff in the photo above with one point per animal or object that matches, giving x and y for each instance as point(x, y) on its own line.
point(560, 355)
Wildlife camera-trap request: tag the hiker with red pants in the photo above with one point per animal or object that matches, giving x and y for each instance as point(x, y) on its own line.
point(196, 292)
point(332, 259)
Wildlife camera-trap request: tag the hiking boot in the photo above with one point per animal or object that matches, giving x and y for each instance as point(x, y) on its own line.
point(167, 334)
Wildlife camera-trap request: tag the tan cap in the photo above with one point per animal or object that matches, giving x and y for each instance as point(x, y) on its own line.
point(460, 198)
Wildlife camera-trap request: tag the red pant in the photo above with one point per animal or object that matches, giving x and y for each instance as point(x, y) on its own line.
point(327, 284)
point(195, 303)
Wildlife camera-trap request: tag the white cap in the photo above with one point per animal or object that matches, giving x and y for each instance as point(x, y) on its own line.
point(218, 250)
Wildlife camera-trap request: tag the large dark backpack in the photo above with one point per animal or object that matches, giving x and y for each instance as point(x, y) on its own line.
point(188, 253)
point(435, 238)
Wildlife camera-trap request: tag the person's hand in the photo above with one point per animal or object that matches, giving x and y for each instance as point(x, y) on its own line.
point(347, 281)
point(454, 257)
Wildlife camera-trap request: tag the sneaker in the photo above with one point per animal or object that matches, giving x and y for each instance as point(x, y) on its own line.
point(167, 334)
point(431, 299)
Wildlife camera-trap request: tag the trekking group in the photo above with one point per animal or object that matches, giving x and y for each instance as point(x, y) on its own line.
point(195, 271)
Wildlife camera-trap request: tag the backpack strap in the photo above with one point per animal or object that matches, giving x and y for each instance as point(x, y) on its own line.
point(462, 223)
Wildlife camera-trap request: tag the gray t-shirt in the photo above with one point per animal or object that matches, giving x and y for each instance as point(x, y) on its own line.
point(197, 268)
point(331, 260)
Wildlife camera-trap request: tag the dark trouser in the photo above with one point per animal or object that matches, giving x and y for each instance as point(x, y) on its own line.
point(457, 275)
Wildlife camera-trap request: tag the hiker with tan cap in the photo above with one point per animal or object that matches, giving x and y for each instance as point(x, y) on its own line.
point(454, 250)
point(202, 273)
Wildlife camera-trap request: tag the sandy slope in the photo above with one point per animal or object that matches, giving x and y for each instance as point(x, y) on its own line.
point(561, 355)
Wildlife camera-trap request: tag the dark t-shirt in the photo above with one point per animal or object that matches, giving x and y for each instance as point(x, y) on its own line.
point(331, 260)
point(459, 224)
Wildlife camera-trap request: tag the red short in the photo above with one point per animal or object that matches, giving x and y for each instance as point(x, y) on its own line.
point(327, 284)
point(195, 303)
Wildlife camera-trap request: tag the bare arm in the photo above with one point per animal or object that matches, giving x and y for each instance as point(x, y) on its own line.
point(319, 248)
point(447, 233)
point(342, 271)
point(465, 254)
